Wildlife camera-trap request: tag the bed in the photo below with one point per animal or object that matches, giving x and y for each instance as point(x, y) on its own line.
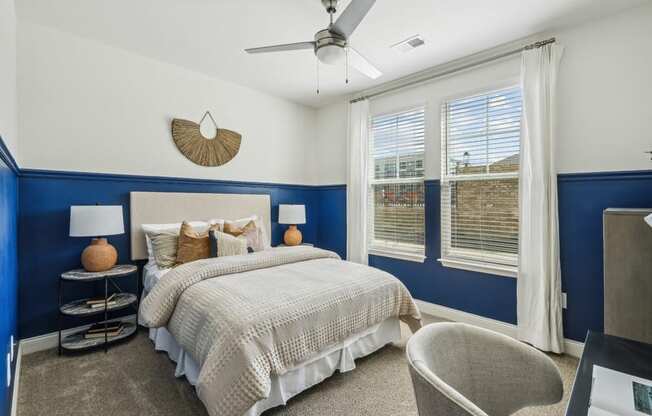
point(252, 331)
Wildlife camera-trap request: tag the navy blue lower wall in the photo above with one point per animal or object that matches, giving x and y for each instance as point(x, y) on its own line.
point(582, 199)
point(8, 271)
point(332, 218)
point(46, 250)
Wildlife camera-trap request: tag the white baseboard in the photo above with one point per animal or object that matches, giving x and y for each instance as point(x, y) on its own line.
point(51, 340)
point(14, 397)
point(572, 347)
point(41, 343)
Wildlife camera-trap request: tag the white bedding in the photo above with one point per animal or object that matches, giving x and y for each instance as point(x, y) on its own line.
point(340, 357)
point(151, 275)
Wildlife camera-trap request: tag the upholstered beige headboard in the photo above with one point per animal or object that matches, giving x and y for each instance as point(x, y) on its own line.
point(172, 207)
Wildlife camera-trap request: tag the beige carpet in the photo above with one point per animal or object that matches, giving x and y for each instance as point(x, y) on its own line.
point(132, 379)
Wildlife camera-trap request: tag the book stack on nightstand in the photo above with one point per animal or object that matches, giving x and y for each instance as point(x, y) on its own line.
point(105, 331)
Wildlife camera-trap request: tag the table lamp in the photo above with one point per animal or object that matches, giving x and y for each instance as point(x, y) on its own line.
point(292, 215)
point(97, 221)
point(648, 220)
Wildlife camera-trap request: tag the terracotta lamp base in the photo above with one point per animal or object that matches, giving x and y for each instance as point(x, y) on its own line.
point(292, 236)
point(99, 256)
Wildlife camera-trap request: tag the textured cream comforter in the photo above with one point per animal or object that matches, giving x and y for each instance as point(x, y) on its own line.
point(244, 318)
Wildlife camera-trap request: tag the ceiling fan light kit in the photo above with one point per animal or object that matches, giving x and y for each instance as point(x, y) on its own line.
point(331, 45)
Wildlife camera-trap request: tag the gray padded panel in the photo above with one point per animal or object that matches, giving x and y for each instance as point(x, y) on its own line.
point(628, 274)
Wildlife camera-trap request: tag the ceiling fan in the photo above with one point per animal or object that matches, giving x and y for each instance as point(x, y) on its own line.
point(331, 45)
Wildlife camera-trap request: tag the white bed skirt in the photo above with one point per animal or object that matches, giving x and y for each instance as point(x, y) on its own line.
point(341, 357)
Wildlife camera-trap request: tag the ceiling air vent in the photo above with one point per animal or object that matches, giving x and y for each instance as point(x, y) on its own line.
point(409, 44)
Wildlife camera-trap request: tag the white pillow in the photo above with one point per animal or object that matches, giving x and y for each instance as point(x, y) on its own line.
point(215, 222)
point(198, 226)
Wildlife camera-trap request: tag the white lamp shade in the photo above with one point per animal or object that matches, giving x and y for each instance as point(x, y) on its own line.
point(291, 214)
point(96, 220)
point(648, 220)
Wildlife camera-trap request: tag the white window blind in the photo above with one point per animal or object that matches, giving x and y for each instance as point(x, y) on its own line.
point(479, 186)
point(396, 191)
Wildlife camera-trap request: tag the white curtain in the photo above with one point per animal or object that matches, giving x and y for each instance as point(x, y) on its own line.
point(356, 190)
point(539, 306)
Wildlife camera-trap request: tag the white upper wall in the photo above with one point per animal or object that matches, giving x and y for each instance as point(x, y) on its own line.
point(85, 106)
point(605, 85)
point(8, 120)
point(604, 114)
point(330, 152)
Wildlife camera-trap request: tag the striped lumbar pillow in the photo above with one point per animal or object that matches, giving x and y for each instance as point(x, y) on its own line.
point(223, 244)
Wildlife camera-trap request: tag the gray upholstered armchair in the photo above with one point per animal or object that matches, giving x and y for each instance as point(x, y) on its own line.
point(459, 369)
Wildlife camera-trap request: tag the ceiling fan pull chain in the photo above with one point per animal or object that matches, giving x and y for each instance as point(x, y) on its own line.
point(346, 50)
point(317, 60)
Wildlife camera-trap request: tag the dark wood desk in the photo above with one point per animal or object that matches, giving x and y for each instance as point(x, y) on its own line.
point(619, 354)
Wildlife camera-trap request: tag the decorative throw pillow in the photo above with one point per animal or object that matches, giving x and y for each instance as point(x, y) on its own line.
point(260, 227)
point(250, 231)
point(173, 227)
point(192, 245)
point(223, 244)
point(233, 229)
point(164, 248)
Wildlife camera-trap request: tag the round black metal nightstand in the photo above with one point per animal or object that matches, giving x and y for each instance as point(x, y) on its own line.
point(81, 340)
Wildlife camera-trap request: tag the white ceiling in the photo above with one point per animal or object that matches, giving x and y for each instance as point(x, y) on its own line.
point(209, 35)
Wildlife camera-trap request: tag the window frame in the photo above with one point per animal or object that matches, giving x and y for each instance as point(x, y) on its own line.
point(467, 262)
point(401, 251)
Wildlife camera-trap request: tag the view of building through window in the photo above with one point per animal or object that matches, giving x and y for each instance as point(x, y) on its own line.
point(396, 194)
point(480, 160)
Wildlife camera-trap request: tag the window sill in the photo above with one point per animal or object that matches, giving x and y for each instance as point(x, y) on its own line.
point(473, 266)
point(400, 255)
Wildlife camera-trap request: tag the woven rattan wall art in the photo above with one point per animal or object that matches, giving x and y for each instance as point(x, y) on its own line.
point(201, 150)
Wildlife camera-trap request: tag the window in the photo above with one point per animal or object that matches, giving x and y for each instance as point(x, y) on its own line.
point(396, 192)
point(479, 182)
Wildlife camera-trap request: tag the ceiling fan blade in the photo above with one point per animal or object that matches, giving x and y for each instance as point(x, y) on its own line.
point(351, 17)
point(361, 64)
point(282, 48)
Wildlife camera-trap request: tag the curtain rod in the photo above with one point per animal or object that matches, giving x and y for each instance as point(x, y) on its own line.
point(458, 69)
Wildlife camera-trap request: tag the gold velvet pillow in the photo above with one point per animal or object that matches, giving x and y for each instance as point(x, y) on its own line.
point(192, 245)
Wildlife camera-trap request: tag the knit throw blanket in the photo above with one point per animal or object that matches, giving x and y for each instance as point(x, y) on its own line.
point(246, 318)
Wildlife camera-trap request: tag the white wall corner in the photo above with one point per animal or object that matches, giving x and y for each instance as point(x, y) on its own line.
point(8, 98)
